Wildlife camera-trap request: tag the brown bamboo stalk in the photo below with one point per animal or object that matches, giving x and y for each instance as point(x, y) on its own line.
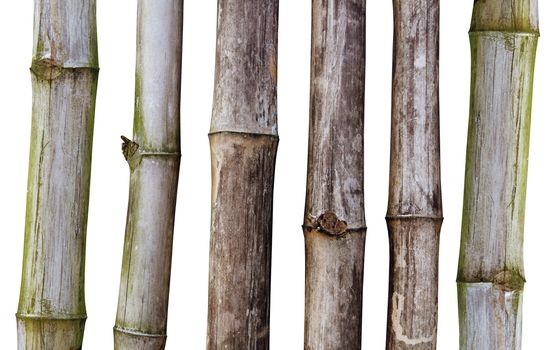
point(154, 160)
point(334, 220)
point(243, 139)
point(503, 40)
point(414, 213)
point(64, 71)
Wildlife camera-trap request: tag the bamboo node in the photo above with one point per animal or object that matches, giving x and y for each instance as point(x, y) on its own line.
point(138, 333)
point(46, 68)
point(51, 317)
point(508, 281)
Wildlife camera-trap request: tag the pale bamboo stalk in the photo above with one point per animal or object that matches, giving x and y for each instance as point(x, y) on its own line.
point(64, 70)
point(414, 213)
point(334, 219)
point(503, 39)
point(154, 160)
point(244, 140)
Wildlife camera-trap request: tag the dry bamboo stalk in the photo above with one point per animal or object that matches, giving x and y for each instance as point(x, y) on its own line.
point(244, 140)
point(334, 220)
point(51, 312)
point(154, 160)
point(503, 38)
point(414, 213)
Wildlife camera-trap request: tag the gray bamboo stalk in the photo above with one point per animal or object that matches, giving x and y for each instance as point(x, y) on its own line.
point(503, 38)
point(244, 140)
point(64, 71)
point(154, 160)
point(414, 213)
point(334, 219)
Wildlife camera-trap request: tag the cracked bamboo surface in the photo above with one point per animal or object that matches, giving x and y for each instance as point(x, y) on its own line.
point(51, 312)
point(503, 38)
point(414, 213)
point(154, 160)
point(334, 219)
point(243, 140)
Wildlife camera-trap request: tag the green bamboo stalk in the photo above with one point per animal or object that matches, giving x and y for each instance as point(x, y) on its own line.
point(154, 160)
point(414, 213)
point(51, 312)
point(244, 141)
point(503, 39)
point(334, 216)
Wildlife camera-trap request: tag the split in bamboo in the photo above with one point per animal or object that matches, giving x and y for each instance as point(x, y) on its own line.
point(503, 39)
point(154, 160)
point(414, 213)
point(334, 220)
point(244, 140)
point(64, 71)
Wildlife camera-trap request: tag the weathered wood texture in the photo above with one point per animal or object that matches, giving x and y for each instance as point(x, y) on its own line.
point(154, 160)
point(334, 219)
point(414, 213)
point(64, 70)
point(244, 140)
point(503, 40)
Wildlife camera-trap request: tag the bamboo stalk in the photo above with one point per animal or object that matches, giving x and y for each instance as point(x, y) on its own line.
point(154, 160)
point(334, 220)
point(51, 312)
point(503, 38)
point(243, 140)
point(414, 213)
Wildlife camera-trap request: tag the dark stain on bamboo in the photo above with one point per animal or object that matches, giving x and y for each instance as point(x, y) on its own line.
point(334, 220)
point(244, 142)
point(414, 213)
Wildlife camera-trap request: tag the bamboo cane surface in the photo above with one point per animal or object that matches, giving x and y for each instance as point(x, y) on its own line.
point(503, 40)
point(414, 213)
point(334, 220)
point(243, 139)
point(51, 312)
point(154, 160)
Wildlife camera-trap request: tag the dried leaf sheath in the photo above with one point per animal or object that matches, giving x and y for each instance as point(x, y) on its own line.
point(51, 312)
point(334, 220)
point(154, 160)
point(414, 213)
point(244, 140)
point(503, 39)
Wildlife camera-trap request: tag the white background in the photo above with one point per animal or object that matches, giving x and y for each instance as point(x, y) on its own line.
point(188, 295)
